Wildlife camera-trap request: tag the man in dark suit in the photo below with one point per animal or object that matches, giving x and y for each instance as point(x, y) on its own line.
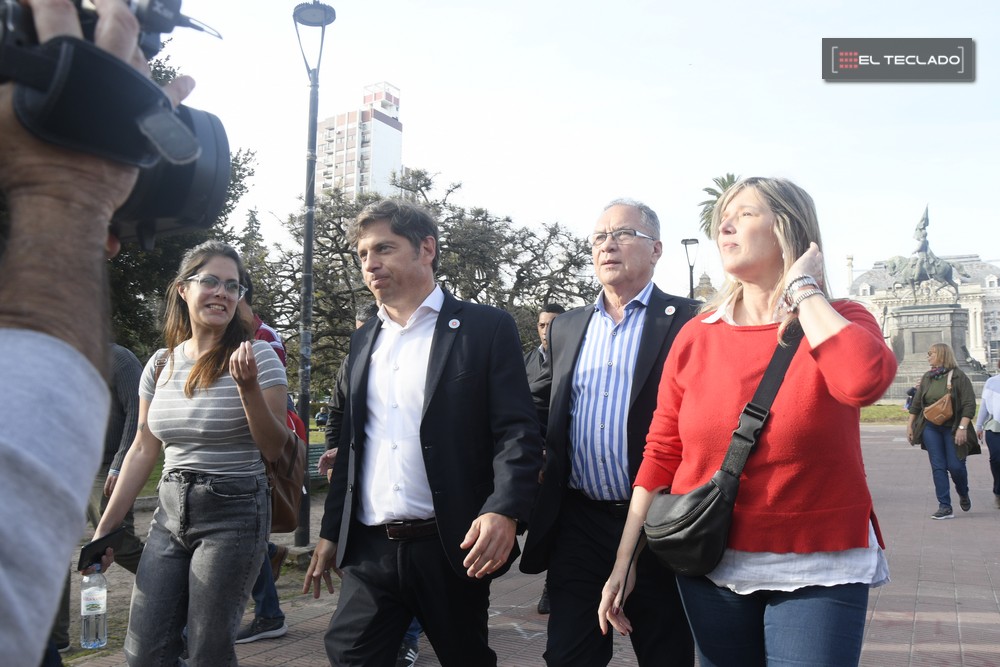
point(537, 358)
point(536, 363)
point(605, 365)
point(439, 465)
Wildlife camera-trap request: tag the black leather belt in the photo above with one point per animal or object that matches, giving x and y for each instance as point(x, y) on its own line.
point(411, 530)
point(618, 508)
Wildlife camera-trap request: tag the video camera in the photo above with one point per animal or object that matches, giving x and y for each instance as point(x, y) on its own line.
point(182, 153)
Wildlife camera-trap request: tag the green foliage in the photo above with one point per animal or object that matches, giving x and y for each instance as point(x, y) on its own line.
point(490, 260)
point(484, 258)
point(722, 183)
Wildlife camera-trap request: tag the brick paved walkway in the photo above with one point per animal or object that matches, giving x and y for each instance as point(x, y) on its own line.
point(940, 610)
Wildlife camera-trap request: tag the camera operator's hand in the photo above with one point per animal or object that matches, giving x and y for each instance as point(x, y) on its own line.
point(37, 171)
point(60, 202)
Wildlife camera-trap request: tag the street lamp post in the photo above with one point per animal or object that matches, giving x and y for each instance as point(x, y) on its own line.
point(311, 15)
point(687, 253)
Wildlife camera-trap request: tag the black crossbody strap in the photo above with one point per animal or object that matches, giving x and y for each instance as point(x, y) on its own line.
point(756, 412)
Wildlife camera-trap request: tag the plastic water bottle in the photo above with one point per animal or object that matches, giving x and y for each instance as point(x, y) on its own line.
point(94, 610)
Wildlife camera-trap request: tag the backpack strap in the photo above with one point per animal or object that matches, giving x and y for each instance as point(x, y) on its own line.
point(161, 361)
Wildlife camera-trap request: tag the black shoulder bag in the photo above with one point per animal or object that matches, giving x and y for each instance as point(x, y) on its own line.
point(689, 532)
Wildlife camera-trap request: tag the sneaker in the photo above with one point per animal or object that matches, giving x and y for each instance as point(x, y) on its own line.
point(407, 656)
point(63, 648)
point(944, 512)
point(543, 601)
point(965, 503)
point(261, 628)
point(280, 554)
point(996, 500)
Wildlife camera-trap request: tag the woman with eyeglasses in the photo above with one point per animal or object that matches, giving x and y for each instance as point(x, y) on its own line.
point(216, 404)
point(946, 444)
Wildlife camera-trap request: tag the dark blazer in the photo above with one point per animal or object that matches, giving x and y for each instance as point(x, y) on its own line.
point(479, 431)
point(565, 341)
point(538, 372)
point(534, 364)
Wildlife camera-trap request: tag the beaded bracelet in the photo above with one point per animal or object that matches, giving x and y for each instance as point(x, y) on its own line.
point(805, 279)
point(802, 297)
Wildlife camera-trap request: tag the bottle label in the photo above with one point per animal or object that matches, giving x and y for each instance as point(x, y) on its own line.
point(93, 601)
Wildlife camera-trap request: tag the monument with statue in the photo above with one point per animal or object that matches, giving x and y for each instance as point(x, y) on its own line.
point(925, 299)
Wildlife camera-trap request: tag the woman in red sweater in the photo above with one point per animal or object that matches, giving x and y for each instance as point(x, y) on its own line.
point(804, 546)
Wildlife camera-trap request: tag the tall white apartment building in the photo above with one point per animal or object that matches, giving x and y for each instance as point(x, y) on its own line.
point(359, 151)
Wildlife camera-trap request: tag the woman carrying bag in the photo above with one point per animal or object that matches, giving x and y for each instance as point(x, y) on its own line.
point(803, 547)
point(215, 402)
point(947, 443)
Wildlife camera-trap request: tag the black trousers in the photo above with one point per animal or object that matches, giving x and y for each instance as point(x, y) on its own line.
point(386, 583)
point(586, 545)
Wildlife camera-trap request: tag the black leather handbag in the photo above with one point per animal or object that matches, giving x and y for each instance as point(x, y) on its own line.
point(688, 532)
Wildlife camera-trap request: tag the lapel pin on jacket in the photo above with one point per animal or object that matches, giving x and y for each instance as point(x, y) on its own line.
point(454, 324)
point(670, 310)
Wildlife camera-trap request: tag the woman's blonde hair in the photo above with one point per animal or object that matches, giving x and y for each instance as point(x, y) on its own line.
point(177, 321)
point(796, 226)
point(945, 355)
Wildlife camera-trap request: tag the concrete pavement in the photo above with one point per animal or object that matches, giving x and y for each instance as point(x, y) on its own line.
point(941, 608)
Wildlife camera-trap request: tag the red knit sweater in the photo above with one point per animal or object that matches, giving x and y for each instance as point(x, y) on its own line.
point(803, 488)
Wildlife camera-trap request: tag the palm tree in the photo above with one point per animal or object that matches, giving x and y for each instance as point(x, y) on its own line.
point(722, 183)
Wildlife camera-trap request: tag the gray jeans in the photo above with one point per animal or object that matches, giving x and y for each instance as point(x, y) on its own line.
point(205, 547)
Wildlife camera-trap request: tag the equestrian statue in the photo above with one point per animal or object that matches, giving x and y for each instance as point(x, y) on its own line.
point(924, 265)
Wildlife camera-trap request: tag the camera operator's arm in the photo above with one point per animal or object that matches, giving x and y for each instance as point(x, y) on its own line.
point(54, 336)
point(60, 203)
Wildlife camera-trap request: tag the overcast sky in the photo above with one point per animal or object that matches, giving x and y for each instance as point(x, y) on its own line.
point(546, 110)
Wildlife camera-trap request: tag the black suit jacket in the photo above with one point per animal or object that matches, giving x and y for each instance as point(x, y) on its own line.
point(565, 341)
point(479, 431)
point(534, 364)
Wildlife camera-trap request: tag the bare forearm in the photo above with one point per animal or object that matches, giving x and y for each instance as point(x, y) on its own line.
point(55, 274)
point(637, 510)
point(139, 463)
point(269, 430)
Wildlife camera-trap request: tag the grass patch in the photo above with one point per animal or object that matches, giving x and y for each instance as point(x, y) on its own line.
point(884, 414)
point(317, 434)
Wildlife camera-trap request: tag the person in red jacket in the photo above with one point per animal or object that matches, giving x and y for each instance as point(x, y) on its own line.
point(804, 547)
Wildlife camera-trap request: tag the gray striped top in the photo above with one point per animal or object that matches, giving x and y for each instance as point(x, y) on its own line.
point(208, 433)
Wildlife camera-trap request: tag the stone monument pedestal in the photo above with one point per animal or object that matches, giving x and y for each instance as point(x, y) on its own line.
point(918, 327)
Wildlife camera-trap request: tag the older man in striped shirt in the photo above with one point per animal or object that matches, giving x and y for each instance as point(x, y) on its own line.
point(606, 361)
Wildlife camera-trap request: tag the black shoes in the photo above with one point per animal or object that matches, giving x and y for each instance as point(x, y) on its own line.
point(261, 628)
point(543, 601)
point(407, 656)
point(965, 503)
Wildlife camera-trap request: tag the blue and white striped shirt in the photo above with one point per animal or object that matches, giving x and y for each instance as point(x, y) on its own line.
point(599, 402)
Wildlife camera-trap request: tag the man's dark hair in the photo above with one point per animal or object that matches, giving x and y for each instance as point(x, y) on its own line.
point(410, 221)
point(365, 311)
point(552, 308)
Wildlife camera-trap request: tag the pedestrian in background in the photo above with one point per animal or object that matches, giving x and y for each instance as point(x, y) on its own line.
point(988, 427)
point(946, 444)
